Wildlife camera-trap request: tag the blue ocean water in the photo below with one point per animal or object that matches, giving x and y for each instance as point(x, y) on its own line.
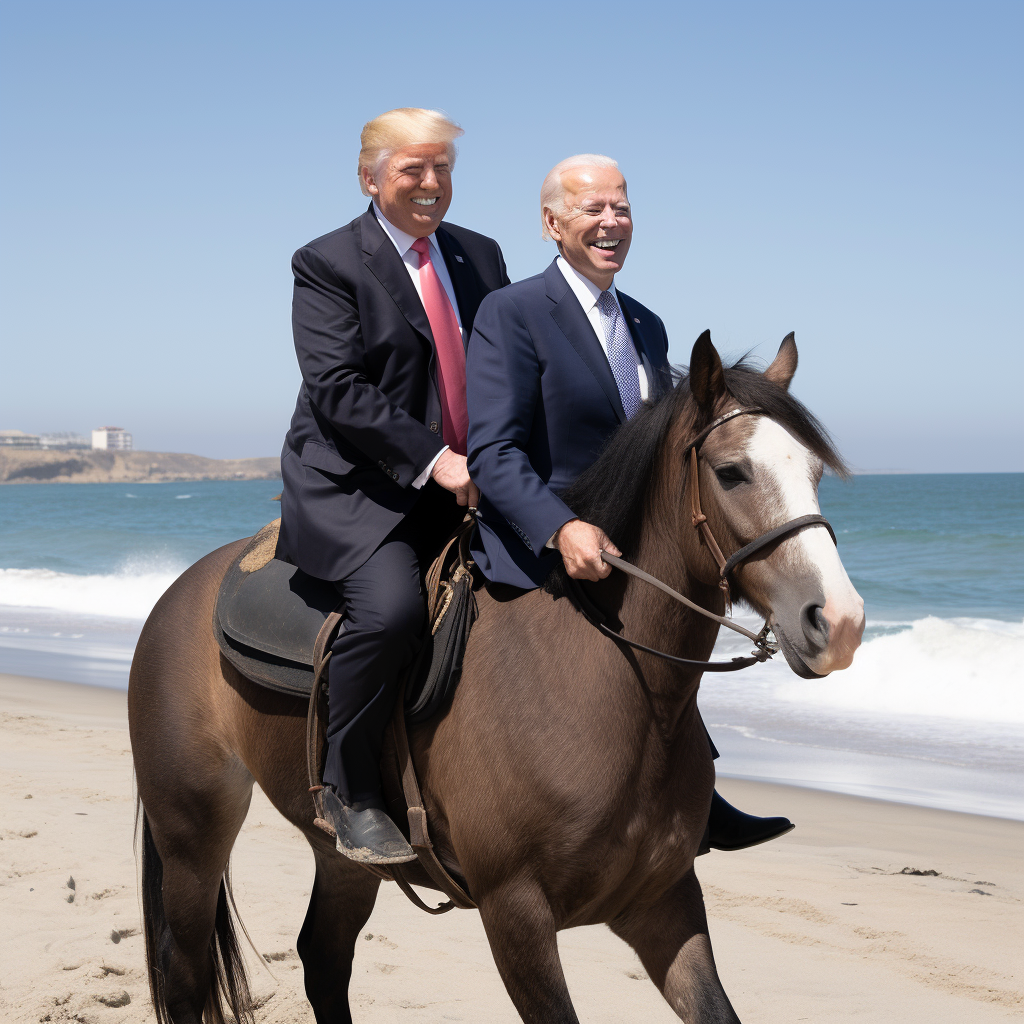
point(932, 710)
point(86, 529)
point(946, 545)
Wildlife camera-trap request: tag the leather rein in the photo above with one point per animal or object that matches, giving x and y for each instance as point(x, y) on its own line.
point(765, 645)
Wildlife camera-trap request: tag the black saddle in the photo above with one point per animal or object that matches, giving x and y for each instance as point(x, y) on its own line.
point(269, 614)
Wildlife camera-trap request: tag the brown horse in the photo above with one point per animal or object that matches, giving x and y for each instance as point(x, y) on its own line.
point(570, 780)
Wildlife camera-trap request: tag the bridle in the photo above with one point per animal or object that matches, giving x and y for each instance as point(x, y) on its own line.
point(765, 645)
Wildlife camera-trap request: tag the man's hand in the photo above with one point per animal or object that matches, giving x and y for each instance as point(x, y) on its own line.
point(580, 545)
point(451, 473)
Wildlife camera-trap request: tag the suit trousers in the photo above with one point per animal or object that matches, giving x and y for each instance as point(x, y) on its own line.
point(384, 618)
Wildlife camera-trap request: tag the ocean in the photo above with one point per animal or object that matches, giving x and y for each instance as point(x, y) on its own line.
point(931, 712)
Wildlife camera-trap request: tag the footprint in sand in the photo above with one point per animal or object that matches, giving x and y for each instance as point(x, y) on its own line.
point(115, 999)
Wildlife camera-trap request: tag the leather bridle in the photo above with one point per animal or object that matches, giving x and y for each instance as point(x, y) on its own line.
point(764, 646)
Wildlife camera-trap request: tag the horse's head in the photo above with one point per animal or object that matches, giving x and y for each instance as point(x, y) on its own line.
point(757, 472)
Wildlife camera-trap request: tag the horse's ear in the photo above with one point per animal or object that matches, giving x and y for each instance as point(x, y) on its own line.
point(784, 364)
point(707, 379)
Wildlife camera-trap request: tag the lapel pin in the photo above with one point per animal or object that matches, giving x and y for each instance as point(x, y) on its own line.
point(635, 320)
point(459, 259)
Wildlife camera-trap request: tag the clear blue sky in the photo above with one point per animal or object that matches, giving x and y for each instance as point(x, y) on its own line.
point(850, 171)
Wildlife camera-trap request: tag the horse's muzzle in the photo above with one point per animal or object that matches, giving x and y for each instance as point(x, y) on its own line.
point(818, 638)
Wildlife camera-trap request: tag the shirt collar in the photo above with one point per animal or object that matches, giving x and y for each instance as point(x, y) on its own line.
point(585, 290)
point(401, 240)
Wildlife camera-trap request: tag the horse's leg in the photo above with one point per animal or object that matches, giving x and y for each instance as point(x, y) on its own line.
point(521, 931)
point(340, 904)
point(189, 828)
point(195, 791)
point(671, 939)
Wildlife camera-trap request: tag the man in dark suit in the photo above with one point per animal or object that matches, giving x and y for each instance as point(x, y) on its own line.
point(374, 463)
point(555, 364)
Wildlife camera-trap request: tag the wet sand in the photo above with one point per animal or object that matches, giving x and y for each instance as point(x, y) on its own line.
point(823, 925)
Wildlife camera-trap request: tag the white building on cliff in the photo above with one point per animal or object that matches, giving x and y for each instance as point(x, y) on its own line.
point(112, 439)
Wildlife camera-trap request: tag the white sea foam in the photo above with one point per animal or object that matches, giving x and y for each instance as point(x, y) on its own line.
point(127, 594)
point(944, 668)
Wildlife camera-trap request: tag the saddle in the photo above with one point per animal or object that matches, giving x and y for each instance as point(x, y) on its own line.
point(270, 615)
point(276, 625)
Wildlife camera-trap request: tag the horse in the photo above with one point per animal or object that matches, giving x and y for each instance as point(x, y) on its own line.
point(570, 779)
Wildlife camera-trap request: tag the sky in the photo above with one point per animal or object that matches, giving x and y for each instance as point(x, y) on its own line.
point(850, 171)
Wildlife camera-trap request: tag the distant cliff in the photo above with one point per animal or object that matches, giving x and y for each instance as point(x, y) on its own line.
point(109, 467)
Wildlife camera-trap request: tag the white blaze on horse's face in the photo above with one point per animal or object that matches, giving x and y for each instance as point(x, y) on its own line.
point(821, 630)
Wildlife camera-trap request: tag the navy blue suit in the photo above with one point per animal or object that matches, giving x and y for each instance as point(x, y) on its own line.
point(542, 404)
point(367, 423)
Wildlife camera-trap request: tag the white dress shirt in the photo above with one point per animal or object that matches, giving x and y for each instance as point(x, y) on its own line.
point(403, 243)
point(588, 293)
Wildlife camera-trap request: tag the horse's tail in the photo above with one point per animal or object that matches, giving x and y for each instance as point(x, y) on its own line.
point(229, 983)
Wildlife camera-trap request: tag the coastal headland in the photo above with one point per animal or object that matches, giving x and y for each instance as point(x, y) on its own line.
point(868, 913)
point(113, 467)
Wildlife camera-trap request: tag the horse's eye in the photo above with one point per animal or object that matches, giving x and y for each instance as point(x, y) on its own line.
point(730, 475)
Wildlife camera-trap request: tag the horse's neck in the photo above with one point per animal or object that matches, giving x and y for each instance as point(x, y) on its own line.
point(656, 620)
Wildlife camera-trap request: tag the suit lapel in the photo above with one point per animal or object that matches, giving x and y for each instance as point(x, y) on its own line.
point(642, 332)
point(383, 261)
point(464, 279)
point(573, 322)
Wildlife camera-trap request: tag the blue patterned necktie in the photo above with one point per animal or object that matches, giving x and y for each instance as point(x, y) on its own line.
point(621, 353)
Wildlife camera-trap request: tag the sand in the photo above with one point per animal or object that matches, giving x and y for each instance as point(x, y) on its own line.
point(822, 925)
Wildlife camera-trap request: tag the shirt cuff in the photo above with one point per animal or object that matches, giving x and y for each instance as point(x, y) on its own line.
point(425, 475)
point(551, 540)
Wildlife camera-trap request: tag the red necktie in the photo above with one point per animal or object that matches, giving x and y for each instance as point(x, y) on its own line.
point(451, 356)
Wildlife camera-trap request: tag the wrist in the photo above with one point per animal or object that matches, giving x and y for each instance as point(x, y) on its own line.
point(558, 533)
point(439, 459)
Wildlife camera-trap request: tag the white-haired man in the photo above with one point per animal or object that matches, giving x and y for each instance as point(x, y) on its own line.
point(374, 463)
point(555, 364)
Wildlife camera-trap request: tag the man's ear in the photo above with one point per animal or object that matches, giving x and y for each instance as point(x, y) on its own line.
point(371, 185)
point(707, 379)
point(784, 364)
point(551, 225)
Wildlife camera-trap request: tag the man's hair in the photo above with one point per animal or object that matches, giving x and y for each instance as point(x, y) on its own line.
point(396, 129)
point(552, 192)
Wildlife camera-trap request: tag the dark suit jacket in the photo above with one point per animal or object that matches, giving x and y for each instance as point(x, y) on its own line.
point(542, 403)
point(368, 417)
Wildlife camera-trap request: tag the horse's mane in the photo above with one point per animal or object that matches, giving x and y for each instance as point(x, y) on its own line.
point(613, 492)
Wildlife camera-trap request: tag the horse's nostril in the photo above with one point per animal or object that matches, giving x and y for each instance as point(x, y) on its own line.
point(815, 625)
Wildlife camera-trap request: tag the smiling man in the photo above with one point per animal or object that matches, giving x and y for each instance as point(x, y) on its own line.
point(555, 364)
point(374, 464)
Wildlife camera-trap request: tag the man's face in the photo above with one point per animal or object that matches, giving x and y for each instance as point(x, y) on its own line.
point(596, 228)
point(414, 188)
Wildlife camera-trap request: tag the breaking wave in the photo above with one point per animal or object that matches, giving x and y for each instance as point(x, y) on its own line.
point(129, 593)
point(959, 668)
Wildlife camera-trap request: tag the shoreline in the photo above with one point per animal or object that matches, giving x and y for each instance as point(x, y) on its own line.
point(902, 779)
point(869, 911)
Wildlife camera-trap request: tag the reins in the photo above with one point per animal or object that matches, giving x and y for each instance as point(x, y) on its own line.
point(764, 647)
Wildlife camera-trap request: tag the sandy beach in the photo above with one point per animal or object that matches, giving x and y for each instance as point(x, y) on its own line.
point(827, 924)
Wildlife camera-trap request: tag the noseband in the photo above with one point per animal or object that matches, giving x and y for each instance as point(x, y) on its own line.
point(764, 647)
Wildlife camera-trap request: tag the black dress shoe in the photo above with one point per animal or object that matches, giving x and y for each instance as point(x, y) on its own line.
point(365, 832)
point(730, 829)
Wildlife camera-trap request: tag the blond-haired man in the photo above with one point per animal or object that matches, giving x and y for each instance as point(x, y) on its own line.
point(374, 463)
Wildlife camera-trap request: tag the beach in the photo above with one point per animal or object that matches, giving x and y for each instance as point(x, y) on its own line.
point(826, 924)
